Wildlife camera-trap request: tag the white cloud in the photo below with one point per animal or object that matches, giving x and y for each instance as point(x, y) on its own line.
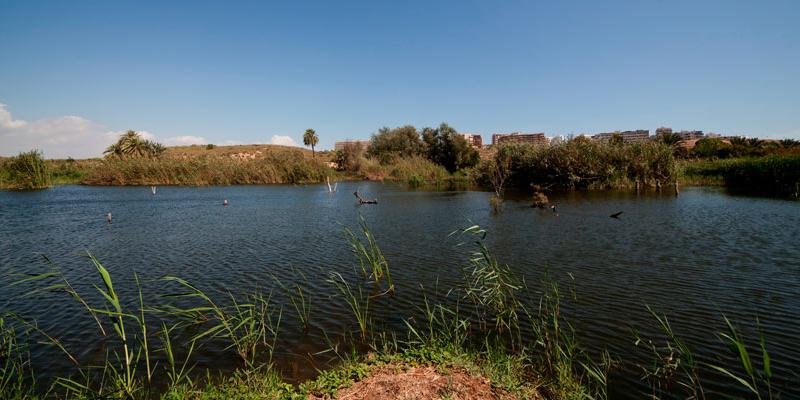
point(59, 137)
point(68, 136)
point(282, 140)
point(185, 140)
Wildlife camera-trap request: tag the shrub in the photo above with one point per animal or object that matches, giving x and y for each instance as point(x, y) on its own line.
point(26, 171)
point(771, 175)
point(444, 146)
point(584, 164)
point(389, 144)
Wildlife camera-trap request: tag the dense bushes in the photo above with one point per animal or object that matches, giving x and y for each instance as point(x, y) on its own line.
point(442, 145)
point(779, 176)
point(25, 172)
point(403, 154)
point(584, 164)
point(447, 148)
point(743, 147)
point(389, 144)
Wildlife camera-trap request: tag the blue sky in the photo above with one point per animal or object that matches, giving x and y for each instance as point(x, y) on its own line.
point(72, 74)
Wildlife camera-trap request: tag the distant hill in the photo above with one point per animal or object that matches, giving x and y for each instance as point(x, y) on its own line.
point(235, 151)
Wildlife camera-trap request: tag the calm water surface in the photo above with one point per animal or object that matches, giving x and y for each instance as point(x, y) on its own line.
point(693, 257)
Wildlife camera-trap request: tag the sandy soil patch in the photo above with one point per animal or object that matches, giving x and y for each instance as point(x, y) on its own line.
point(406, 383)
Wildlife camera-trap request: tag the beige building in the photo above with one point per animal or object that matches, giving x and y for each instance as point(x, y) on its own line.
point(474, 139)
point(345, 143)
point(639, 135)
point(517, 137)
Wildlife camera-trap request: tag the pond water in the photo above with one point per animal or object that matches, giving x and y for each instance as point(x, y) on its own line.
point(694, 257)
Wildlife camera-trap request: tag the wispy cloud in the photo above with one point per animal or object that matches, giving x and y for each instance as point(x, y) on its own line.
point(57, 137)
point(185, 140)
point(282, 140)
point(69, 136)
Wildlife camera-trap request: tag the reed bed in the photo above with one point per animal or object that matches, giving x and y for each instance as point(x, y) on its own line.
point(273, 167)
point(584, 164)
point(26, 171)
point(772, 175)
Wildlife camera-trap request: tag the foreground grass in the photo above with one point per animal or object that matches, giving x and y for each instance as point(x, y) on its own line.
point(506, 374)
point(476, 330)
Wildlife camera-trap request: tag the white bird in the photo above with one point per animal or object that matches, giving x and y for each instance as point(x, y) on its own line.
point(108, 217)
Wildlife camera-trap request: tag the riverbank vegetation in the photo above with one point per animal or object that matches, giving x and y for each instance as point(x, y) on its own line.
point(26, 171)
point(480, 335)
point(773, 175)
point(432, 156)
point(282, 166)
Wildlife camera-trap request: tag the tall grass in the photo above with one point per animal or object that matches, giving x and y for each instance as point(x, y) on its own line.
point(586, 164)
point(369, 255)
point(250, 326)
point(492, 286)
point(675, 363)
point(127, 370)
point(771, 175)
point(26, 171)
point(16, 376)
point(774, 175)
point(298, 297)
point(356, 299)
point(272, 167)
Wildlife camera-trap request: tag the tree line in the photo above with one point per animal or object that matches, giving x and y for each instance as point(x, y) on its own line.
point(442, 145)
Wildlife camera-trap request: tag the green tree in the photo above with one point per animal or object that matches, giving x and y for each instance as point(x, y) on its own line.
point(616, 139)
point(349, 157)
point(388, 143)
point(131, 144)
point(712, 147)
point(310, 138)
point(444, 146)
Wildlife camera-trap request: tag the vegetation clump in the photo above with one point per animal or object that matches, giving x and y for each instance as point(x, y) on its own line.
point(131, 144)
point(288, 166)
point(772, 175)
point(26, 171)
point(581, 164)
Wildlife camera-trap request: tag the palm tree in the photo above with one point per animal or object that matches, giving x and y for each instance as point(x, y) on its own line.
point(670, 139)
point(131, 144)
point(310, 138)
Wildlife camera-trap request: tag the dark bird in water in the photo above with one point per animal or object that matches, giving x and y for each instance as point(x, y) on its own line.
point(553, 207)
point(616, 215)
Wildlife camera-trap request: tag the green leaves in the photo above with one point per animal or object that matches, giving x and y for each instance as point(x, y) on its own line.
point(131, 144)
